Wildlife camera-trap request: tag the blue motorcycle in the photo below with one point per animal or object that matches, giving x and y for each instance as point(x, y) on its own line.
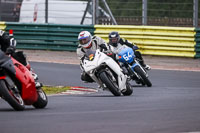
point(131, 66)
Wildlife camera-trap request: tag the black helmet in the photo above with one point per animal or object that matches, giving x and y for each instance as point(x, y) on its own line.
point(114, 38)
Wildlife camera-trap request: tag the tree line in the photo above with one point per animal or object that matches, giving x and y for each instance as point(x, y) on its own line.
point(156, 8)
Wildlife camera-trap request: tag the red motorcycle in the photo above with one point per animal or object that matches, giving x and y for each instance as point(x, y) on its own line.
point(18, 86)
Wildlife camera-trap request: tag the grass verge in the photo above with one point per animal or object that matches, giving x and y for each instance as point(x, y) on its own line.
point(55, 89)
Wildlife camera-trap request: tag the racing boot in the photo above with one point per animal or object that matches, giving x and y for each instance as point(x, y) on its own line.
point(147, 67)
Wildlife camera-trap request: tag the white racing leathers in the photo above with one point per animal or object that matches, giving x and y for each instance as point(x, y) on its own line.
point(96, 42)
point(100, 58)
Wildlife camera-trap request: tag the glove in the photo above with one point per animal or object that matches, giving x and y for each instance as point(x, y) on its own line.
point(103, 47)
point(10, 50)
point(135, 47)
point(108, 52)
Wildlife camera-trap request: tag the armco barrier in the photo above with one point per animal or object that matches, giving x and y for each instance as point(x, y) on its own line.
point(155, 40)
point(197, 39)
point(47, 36)
point(152, 40)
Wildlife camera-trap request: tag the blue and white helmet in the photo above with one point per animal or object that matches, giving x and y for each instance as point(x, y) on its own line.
point(85, 39)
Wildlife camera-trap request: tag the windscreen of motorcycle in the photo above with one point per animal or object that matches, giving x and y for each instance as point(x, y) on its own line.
point(90, 54)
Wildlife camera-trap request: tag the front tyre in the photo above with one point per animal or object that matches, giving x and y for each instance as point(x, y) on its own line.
point(42, 99)
point(145, 79)
point(14, 99)
point(107, 80)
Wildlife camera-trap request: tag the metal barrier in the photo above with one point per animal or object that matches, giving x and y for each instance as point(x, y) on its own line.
point(152, 40)
point(47, 36)
point(155, 40)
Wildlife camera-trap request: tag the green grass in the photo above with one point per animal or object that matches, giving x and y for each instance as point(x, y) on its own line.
point(55, 89)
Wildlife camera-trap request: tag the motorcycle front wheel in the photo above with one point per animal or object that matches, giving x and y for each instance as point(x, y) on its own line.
point(14, 99)
point(144, 78)
point(107, 80)
point(42, 99)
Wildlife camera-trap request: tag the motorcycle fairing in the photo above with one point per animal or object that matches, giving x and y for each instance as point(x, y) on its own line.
point(134, 65)
point(101, 58)
point(126, 55)
point(29, 93)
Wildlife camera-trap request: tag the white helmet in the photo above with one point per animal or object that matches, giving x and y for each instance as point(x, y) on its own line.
point(85, 39)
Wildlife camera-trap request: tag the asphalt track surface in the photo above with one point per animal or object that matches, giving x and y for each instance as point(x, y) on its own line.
point(171, 105)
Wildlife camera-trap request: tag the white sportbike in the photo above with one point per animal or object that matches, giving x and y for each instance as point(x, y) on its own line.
point(106, 72)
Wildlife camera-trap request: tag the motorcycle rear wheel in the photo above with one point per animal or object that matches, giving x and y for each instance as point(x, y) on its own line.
point(145, 79)
point(42, 99)
point(14, 99)
point(109, 83)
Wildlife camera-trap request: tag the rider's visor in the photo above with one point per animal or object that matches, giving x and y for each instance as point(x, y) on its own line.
point(84, 40)
point(114, 40)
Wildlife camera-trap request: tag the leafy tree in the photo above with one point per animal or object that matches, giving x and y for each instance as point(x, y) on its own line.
point(156, 8)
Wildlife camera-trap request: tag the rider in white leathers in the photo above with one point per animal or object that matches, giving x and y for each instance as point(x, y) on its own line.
point(88, 42)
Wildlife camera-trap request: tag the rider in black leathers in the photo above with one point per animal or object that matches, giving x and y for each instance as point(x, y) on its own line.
point(8, 46)
point(115, 42)
point(7, 43)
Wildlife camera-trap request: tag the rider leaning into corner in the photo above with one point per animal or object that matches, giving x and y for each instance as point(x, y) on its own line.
point(115, 42)
point(8, 46)
point(7, 43)
point(89, 42)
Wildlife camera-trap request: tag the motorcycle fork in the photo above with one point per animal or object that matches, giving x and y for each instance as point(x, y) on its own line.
point(146, 74)
point(11, 85)
point(136, 63)
point(93, 74)
point(130, 71)
point(107, 70)
point(112, 74)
